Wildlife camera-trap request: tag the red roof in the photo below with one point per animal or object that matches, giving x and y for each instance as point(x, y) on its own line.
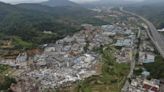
point(149, 87)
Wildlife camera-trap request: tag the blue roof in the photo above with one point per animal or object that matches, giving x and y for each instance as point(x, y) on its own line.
point(146, 73)
point(126, 42)
point(148, 61)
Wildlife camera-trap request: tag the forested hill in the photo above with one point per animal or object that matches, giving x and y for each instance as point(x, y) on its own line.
point(27, 22)
point(60, 10)
point(55, 3)
point(152, 11)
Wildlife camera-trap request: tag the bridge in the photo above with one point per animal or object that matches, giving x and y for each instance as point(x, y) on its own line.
point(154, 35)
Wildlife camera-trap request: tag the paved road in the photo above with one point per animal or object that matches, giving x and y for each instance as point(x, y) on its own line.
point(156, 38)
point(132, 66)
point(153, 34)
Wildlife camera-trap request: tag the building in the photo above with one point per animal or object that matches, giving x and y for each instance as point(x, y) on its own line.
point(146, 57)
point(49, 49)
point(145, 73)
point(151, 86)
point(124, 42)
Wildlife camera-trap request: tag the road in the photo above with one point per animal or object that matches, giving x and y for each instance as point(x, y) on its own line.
point(154, 35)
point(132, 66)
point(156, 38)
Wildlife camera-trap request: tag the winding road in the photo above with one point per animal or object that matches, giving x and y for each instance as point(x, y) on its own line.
point(154, 35)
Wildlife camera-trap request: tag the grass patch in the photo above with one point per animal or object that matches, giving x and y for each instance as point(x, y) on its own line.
point(5, 81)
point(19, 43)
point(3, 68)
point(156, 69)
point(112, 78)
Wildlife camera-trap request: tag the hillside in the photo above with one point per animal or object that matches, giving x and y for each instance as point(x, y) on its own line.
point(55, 3)
point(26, 23)
point(29, 25)
point(152, 11)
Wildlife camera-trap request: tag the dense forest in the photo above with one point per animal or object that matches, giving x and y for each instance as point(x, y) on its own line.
point(156, 68)
point(25, 23)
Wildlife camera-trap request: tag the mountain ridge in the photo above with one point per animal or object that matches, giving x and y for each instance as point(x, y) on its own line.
point(56, 3)
point(28, 21)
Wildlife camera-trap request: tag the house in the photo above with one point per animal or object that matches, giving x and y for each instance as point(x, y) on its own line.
point(146, 57)
point(109, 33)
point(145, 73)
point(151, 86)
point(124, 42)
point(49, 49)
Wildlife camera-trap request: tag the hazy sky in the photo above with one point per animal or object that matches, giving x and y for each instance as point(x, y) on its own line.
point(30, 1)
point(22, 1)
point(82, 1)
